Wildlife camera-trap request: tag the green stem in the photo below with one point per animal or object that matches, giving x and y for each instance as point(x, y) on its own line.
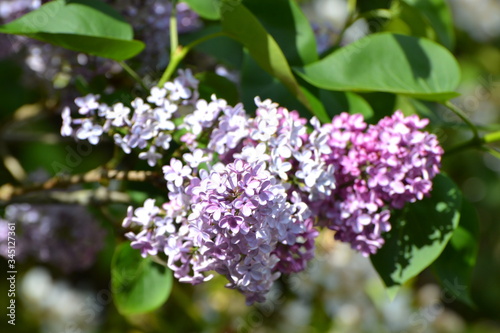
point(464, 118)
point(174, 35)
point(175, 60)
point(377, 13)
point(475, 142)
point(351, 6)
point(492, 137)
point(472, 143)
point(133, 74)
point(180, 53)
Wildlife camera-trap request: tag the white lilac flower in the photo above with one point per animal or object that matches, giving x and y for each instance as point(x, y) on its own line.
point(89, 131)
point(157, 96)
point(87, 103)
point(176, 172)
point(122, 143)
point(195, 158)
point(118, 115)
point(151, 156)
point(163, 141)
point(66, 129)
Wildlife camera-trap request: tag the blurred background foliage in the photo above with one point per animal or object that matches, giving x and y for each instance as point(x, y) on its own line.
point(340, 292)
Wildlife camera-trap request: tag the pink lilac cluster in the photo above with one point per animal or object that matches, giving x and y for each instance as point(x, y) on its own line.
point(66, 237)
point(378, 168)
point(146, 126)
point(248, 194)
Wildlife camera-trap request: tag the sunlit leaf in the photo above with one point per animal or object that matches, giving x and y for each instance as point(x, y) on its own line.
point(419, 234)
point(88, 26)
point(387, 62)
point(139, 285)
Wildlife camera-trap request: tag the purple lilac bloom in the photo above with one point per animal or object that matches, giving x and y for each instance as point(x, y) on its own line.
point(67, 237)
point(260, 185)
point(233, 220)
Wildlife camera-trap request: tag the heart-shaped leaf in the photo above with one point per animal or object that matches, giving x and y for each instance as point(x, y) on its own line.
point(88, 26)
point(388, 62)
point(419, 235)
point(438, 15)
point(288, 25)
point(455, 265)
point(240, 24)
point(209, 9)
point(139, 285)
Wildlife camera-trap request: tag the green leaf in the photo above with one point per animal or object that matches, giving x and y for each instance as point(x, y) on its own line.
point(257, 82)
point(388, 62)
point(226, 50)
point(418, 235)
point(383, 104)
point(438, 14)
point(455, 265)
point(409, 21)
point(288, 25)
point(240, 24)
point(336, 102)
point(209, 9)
point(211, 83)
point(88, 26)
point(139, 285)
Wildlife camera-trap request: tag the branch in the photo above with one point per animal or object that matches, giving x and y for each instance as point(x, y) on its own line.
point(97, 197)
point(464, 118)
point(7, 192)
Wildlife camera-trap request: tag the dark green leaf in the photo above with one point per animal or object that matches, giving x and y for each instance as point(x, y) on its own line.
point(288, 25)
point(256, 82)
point(139, 285)
point(438, 14)
point(13, 93)
point(226, 50)
point(211, 83)
point(387, 62)
point(418, 235)
point(209, 9)
point(85, 26)
point(369, 5)
point(240, 24)
point(455, 265)
point(336, 102)
point(410, 21)
point(383, 104)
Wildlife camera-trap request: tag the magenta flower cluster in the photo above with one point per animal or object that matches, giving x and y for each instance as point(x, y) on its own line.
point(248, 194)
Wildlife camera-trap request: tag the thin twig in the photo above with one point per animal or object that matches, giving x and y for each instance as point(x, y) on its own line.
point(133, 74)
point(462, 116)
point(7, 192)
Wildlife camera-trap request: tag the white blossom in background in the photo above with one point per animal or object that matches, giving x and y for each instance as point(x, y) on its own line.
point(56, 305)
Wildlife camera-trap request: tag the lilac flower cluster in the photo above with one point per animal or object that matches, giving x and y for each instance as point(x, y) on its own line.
point(234, 220)
point(378, 168)
point(148, 128)
point(248, 194)
point(67, 237)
